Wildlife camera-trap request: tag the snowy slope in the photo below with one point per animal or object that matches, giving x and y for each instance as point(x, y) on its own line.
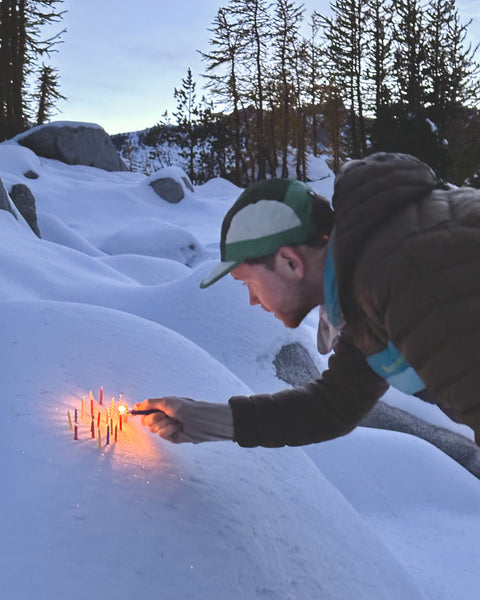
point(109, 297)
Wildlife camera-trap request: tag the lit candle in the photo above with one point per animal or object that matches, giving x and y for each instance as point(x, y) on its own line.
point(122, 414)
point(70, 420)
point(120, 419)
point(100, 400)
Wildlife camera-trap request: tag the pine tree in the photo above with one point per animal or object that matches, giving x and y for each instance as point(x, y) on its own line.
point(286, 24)
point(452, 83)
point(186, 115)
point(47, 93)
point(410, 54)
point(345, 50)
point(378, 68)
point(336, 119)
point(223, 65)
point(314, 70)
point(21, 43)
point(253, 22)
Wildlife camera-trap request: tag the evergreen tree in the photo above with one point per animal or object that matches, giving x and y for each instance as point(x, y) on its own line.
point(410, 54)
point(21, 43)
point(286, 24)
point(336, 119)
point(345, 49)
point(314, 71)
point(186, 115)
point(378, 69)
point(253, 22)
point(47, 93)
point(223, 65)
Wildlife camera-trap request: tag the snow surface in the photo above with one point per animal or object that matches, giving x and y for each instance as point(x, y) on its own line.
point(109, 297)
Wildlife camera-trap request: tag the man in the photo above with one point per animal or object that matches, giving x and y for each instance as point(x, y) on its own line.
point(396, 273)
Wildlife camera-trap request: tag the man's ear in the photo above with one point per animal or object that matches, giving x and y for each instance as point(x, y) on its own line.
point(290, 262)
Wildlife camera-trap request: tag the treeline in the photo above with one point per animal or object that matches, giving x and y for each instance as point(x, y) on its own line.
point(28, 89)
point(394, 75)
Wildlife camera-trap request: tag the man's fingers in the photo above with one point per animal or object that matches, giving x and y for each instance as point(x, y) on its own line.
point(155, 417)
point(169, 431)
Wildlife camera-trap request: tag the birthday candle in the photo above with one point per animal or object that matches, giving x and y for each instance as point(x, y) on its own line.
point(92, 428)
point(115, 433)
point(70, 421)
point(76, 416)
point(120, 422)
point(91, 408)
point(99, 438)
point(112, 407)
point(98, 419)
point(75, 433)
point(100, 400)
point(111, 424)
point(108, 435)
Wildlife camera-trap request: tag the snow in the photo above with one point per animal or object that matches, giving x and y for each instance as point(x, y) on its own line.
point(109, 297)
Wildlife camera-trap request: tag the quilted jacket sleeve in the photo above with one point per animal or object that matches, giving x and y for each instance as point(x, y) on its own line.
point(324, 409)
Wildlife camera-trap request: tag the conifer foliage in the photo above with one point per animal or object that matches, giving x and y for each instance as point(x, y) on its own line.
point(22, 41)
point(369, 75)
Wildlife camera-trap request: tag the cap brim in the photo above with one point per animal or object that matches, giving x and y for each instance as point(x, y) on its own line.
point(218, 272)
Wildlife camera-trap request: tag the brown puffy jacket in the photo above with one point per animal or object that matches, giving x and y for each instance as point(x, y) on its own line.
point(407, 261)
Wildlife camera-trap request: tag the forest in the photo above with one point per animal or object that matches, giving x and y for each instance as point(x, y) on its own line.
point(280, 85)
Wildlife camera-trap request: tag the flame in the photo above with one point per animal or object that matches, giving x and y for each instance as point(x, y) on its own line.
point(122, 409)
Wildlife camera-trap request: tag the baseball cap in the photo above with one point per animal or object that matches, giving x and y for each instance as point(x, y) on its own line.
point(267, 215)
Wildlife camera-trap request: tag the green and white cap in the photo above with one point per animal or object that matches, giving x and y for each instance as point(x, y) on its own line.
point(269, 214)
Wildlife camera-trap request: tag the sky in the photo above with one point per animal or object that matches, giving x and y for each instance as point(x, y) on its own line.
point(109, 298)
point(120, 61)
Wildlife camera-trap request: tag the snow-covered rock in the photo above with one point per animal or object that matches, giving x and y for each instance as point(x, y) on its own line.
point(73, 143)
point(171, 183)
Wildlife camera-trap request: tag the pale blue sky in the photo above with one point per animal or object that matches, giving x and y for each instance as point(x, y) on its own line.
point(121, 60)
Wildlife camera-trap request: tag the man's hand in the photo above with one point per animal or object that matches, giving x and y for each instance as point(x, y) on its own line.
point(185, 420)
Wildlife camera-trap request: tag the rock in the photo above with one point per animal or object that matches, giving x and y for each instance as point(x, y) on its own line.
point(5, 200)
point(31, 175)
point(458, 447)
point(74, 144)
point(168, 189)
point(294, 366)
point(171, 183)
point(24, 200)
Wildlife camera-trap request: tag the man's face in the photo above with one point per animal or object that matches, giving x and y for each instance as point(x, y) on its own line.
point(277, 291)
